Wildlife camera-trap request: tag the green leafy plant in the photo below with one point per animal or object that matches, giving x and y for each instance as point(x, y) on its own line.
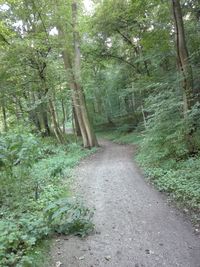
point(69, 216)
point(33, 175)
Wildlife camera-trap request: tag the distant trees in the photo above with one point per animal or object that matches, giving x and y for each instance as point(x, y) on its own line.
point(146, 56)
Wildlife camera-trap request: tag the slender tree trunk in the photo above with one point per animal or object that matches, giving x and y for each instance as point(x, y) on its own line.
point(183, 57)
point(35, 114)
point(76, 124)
point(32, 113)
point(92, 141)
point(55, 107)
point(74, 128)
point(4, 117)
point(43, 107)
point(146, 68)
point(56, 128)
point(58, 133)
point(21, 109)
point(144, 118)
point(43, 118)
point(46, 122)
point(64, 116)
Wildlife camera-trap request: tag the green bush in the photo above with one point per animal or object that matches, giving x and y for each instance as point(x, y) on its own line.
point(19, 234)
point(69, 216)
point(164, 139)
point(19, 149)
point(33, 195)
point(181, 179)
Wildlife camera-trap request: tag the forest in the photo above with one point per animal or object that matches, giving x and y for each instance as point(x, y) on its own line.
point(74, 72)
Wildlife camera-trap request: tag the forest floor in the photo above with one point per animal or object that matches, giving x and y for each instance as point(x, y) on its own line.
point(134, 224)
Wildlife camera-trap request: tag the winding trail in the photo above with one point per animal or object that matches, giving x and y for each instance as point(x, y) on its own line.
point(135, 226)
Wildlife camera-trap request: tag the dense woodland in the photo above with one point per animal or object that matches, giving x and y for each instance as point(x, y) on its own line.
point(124, 70)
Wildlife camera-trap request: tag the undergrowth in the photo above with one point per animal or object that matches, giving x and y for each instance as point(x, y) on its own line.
point(121, 137)
point(35, 201)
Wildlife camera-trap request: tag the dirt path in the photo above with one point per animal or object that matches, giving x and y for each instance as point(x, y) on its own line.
point(135, 226)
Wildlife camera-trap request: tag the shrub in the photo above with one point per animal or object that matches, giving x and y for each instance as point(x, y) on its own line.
point(69, 216)
point(33, 195)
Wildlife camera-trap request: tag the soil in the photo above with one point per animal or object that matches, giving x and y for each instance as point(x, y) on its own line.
point(134, 224)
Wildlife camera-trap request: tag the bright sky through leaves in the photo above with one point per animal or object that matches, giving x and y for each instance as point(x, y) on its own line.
point(88, 5)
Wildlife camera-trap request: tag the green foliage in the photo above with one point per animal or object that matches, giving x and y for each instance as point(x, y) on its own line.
point(178, 177)
point(19, 237)
point(123, 138)
point(69, 216)
point(21, 232)
point(19, 149)
point(182, 182)
point(32, 195)
point(164, 139)
point(164, 152)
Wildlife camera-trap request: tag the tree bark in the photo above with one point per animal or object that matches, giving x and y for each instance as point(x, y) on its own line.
point(144, 118)
point(42, 112)
point(183, 57)
point(91, 137)
point(58, 133)
point(186, 71)
point(76, 124)
point(4, 117)
point(73, 69)
point(64, 116)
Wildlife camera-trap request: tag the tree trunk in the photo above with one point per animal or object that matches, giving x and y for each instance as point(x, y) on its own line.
point(76, 124)
point(186, 71)
point(21, 109)
point(74, 78)
point(183, 57)
point(4, 117)
point(43, 118)
point(34, 113)
point(58, 133)
point(64, 116)
point(91, 138)
point(75, 96)
point(144, 118)
point(46, 123)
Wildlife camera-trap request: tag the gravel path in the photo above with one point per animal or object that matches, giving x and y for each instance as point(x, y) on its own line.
point(135, 227)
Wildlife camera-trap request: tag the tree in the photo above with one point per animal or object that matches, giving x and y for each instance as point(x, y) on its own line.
point(72, 62)
point(183, 57)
